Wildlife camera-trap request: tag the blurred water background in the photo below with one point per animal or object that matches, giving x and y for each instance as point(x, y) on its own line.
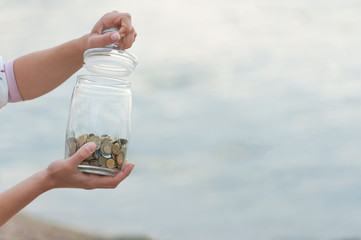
point(246, 119)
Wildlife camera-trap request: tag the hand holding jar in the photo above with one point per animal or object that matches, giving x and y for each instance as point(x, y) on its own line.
point(64, 173)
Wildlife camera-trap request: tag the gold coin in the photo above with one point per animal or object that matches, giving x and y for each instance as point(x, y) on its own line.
point(91, 157)
point(84, 163)
point(106, 148)
point(81, 140)
point(116, 148)
point(111, 163)
point(102, 161)
point(120, 158)
point(72, 148)
point(106, 138)
point(70, 140)
point(96, 140)
point(93, 162)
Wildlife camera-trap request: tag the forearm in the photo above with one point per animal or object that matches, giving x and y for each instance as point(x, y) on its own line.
point(40, 72)
point(19, 196)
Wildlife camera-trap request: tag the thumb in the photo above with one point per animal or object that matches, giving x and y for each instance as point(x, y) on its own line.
point(83, 153)
point(106, 39)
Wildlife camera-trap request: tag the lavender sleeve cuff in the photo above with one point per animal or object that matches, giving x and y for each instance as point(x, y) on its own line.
point(14, 95)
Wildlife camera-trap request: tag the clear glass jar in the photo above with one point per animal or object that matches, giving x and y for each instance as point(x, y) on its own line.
point(100, 110)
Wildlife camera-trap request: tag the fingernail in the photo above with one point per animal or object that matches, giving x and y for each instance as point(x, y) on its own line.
point(115, 36)
point(90, 147)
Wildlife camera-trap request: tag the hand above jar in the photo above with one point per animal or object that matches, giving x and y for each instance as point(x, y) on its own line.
point(125, 36)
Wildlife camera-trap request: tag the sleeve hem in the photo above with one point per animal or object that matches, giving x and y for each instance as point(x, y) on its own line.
point(3, 85)
point(14, 94)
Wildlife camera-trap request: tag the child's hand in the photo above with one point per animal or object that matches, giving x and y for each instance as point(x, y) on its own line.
point(126, 34)
point(64, 173)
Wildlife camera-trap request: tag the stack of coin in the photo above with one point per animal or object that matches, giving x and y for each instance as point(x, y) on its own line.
point(109, 153)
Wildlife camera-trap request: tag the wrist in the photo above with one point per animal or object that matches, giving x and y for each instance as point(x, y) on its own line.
point(83, 43)
point(44, 180)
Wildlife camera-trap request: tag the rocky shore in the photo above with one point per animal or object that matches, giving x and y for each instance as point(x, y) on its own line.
point(23, 227)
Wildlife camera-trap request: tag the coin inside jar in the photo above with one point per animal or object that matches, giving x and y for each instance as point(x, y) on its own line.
point(96, 140)
point(81, 140)
point(110, 151)
point(72, 148)
point(116, 148)
point(102, 161)
point(93, 162)
point(106, 148)
point(120, 158)
point(110, 163)
point(71, 139)
point(96, 154)
point(106, 138)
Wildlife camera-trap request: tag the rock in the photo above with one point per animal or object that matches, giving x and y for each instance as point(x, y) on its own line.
point(22, 227)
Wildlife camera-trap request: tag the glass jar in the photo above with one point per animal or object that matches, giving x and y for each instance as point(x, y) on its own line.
point(100, 110)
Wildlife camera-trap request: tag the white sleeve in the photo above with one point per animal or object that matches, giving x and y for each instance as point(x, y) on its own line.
point(4, 91)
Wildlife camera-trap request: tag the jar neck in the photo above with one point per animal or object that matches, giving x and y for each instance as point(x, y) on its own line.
point(95, 80)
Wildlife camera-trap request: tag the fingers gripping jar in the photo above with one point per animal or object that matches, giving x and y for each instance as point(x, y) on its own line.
point(100, 110)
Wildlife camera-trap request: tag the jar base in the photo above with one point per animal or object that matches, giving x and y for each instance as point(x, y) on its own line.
point(98, 170)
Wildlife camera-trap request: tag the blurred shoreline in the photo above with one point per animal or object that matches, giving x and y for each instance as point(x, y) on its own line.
point(25, 227)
